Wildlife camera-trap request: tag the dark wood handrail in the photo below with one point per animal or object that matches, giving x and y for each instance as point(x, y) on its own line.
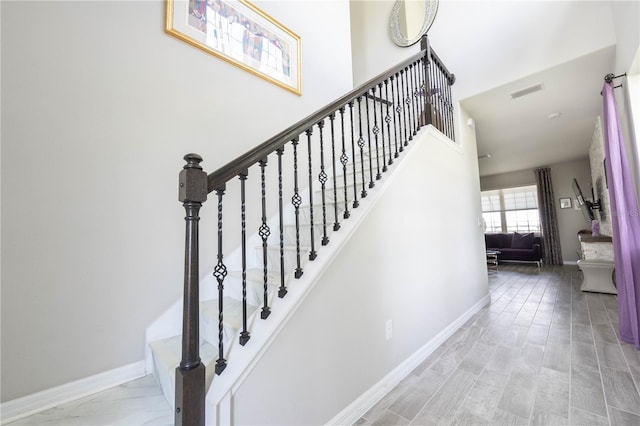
point(235, 167)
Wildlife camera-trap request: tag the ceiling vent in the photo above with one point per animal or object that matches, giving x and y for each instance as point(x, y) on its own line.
point(526, 91)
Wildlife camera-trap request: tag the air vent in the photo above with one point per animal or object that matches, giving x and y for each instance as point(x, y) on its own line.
point(527, 90)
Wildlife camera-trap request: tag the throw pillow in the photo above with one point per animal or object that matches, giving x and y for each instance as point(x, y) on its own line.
point(522, 241)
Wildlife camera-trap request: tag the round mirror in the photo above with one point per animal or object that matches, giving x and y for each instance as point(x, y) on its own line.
point(410, 20)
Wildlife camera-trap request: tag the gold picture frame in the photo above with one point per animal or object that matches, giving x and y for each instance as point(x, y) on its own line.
point(239, 33)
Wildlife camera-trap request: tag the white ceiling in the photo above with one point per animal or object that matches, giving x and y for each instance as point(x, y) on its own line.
point(497, 47)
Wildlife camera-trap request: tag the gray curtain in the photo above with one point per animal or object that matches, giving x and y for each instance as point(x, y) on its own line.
point(552, 253)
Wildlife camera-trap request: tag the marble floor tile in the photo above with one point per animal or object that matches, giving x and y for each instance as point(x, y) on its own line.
point(541, 353)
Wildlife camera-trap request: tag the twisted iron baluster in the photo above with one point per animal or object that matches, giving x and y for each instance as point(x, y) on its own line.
point(244, 335)
point(353, 159)
point(407, 110)
point(387, 119)
point(282, 291)
point(361, 146)
point(220, 272)
point(376, 131)
point(371, 182)
point(414, 98)
point(322, 177)
point(344, 160)
point(409, 101)
point(395, 112)
point(264, 233)
point(296, 200)
point(399, 109)
point(336, 224)
point(312, 253)
point(384, 152)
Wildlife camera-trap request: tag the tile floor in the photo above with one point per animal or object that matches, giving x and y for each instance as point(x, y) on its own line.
point(139, 402)
point(542, 353)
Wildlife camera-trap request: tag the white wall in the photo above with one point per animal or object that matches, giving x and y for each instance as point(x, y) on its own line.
point(99, 106)
point(570, 221)
point(412, 260)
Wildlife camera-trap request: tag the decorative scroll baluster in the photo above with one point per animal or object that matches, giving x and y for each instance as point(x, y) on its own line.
point(190, 374)
point(395, 111)
point(399, 108)
point(410, 106)
point(344, 160)
point(353, 159)
point(414, 98)
point(387, 119)
point(312, 253)
point(220, 272)
point(322, 177)
point(336, 223)
point(264, 233)
point(296, 200)
point(376, 131)
point(407, 110)
point(282, 291)
point(371, 182)
point(244, 335)
point(423, 93)
point(361, 146)
point(384, 152)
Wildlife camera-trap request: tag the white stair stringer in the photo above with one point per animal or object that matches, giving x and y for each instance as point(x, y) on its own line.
point(164, 347)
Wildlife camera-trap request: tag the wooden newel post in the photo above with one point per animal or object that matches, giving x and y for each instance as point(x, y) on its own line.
point(190, 386)
point(427, 112)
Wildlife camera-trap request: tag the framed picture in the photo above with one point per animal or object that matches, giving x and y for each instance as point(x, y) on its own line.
point(565, 203)
point(243, 35)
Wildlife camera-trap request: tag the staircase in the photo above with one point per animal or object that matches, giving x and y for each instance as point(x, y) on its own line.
point(334, 163)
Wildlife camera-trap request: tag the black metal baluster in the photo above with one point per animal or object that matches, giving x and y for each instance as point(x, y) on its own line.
point(264, 233)
point(376, 131)
point(407, 110)
point(426, 70)
point(387, 119)
point(296, 200)
point(361, 146)
point(322, 177)
point(336, 223)
point(421, 94)
point(399, 109)
point(282, 291)
point(412, 119)
point(395, 112)
point(344, 160)
point(244, 335)
point(371, 182)
point(414, 98)
point(220, 272)
point(353, 159)
point(312, 253)
point(384, 152)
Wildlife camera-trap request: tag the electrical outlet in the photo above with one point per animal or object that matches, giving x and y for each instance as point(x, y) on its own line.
point(389, 329)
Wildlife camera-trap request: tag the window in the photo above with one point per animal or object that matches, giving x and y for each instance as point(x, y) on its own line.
point(511, 209)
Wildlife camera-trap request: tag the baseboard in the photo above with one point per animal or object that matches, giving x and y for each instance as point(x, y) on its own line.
point(31, 404)
point(360, 406)
point(570, 262)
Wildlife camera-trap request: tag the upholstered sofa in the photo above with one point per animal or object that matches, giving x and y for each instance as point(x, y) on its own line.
point(515, 247)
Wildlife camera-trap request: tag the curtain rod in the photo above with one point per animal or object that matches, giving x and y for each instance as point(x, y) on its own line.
point(609, 77)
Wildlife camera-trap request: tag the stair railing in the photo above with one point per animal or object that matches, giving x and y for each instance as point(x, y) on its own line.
point(412, 94)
